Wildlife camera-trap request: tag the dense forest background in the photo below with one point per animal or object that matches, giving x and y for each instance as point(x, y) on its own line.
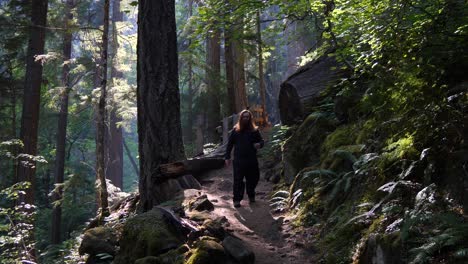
point(68, 109)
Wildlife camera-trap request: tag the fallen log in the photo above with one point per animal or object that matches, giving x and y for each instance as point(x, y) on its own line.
point(302, 90)
point(190, 166)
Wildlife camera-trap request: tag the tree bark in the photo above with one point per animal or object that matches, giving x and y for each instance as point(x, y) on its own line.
point(62, 126)
point(235, 71)
point(114, 137)
point(231, 106)
point(190, 137)
point(213, 75)
point(239, 75)
point(13, 135)
point(190, 134)
point(158, 100)
point(114, 151)
point(260, 67)
point(199, 121)
point(32, 95)
point(100, 120)
point(130, 157)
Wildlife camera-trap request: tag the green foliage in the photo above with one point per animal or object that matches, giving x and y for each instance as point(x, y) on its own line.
point(280, 200)
point(274, 142)
point(402, 148)
point(406, 53)
point(16, 225)
point(78, 203)
point(342, 136)
point(450, 236)
point(66, 252)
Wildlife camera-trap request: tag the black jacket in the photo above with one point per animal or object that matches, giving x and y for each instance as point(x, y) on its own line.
point(243, 142)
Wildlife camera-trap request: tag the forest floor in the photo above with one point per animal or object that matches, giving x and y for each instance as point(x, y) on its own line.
point(269, 235)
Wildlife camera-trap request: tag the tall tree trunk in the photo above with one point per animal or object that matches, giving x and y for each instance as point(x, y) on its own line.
point(32, 95)
point(190, 137)
point(97, 83)
point(230, 84)
point(159, 128)
point(114, 149)
point(130, 157)
point(13, 135)
point(101, 118)
point(31, 105)
point(239, 75)
point(13, 109)
point(235, 72)
point(62, 126)
point(213, 75)
point(261, 78)
point(114, 137)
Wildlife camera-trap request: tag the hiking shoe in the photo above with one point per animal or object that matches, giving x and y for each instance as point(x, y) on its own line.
point(237, 204)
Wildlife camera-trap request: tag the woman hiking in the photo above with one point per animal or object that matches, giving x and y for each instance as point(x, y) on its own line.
point(246, 139)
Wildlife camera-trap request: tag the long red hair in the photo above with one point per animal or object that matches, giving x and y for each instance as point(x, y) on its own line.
point(250, 125)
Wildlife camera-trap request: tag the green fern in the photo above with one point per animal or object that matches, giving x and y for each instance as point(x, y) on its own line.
point(277, 199)
point(453, 237)
point(340, 185)
point(281, 193)
point(295, 199)
point(315, 177)
point(346, 155)
point(280, 200)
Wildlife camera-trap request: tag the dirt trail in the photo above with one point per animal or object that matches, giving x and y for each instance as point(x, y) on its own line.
point(268, 236)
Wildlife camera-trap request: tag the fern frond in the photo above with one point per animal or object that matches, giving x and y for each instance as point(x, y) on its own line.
point(344, 154)
point(282, 193)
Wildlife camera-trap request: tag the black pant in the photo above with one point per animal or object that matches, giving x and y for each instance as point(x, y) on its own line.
point(249, 170)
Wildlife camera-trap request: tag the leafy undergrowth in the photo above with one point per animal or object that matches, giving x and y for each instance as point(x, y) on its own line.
point(389, 182)
point(381, 191)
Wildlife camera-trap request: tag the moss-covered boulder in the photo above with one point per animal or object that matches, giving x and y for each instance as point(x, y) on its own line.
point(207, 251)
point(237, 250)
point(201, 203)
point(175, 256)
point(215, 227)
point(382, 249)
point(98, 240)
point(150, 234)
point(302, 149)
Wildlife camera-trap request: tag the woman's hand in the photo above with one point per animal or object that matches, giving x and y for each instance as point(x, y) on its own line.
point(257, 145)
point(227, 162)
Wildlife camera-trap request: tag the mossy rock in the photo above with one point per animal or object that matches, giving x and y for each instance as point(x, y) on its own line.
point(215, 227)
point(340, 150)
point(198, 216)
point(342, 136)
point(238, 250)
point(302, 149)
point(198, 256)
point(98, 240)
point(208, 251)
point(201, 203)
point(175, 256)
point(385, 249)
point(208, 238)
point(149, 234)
